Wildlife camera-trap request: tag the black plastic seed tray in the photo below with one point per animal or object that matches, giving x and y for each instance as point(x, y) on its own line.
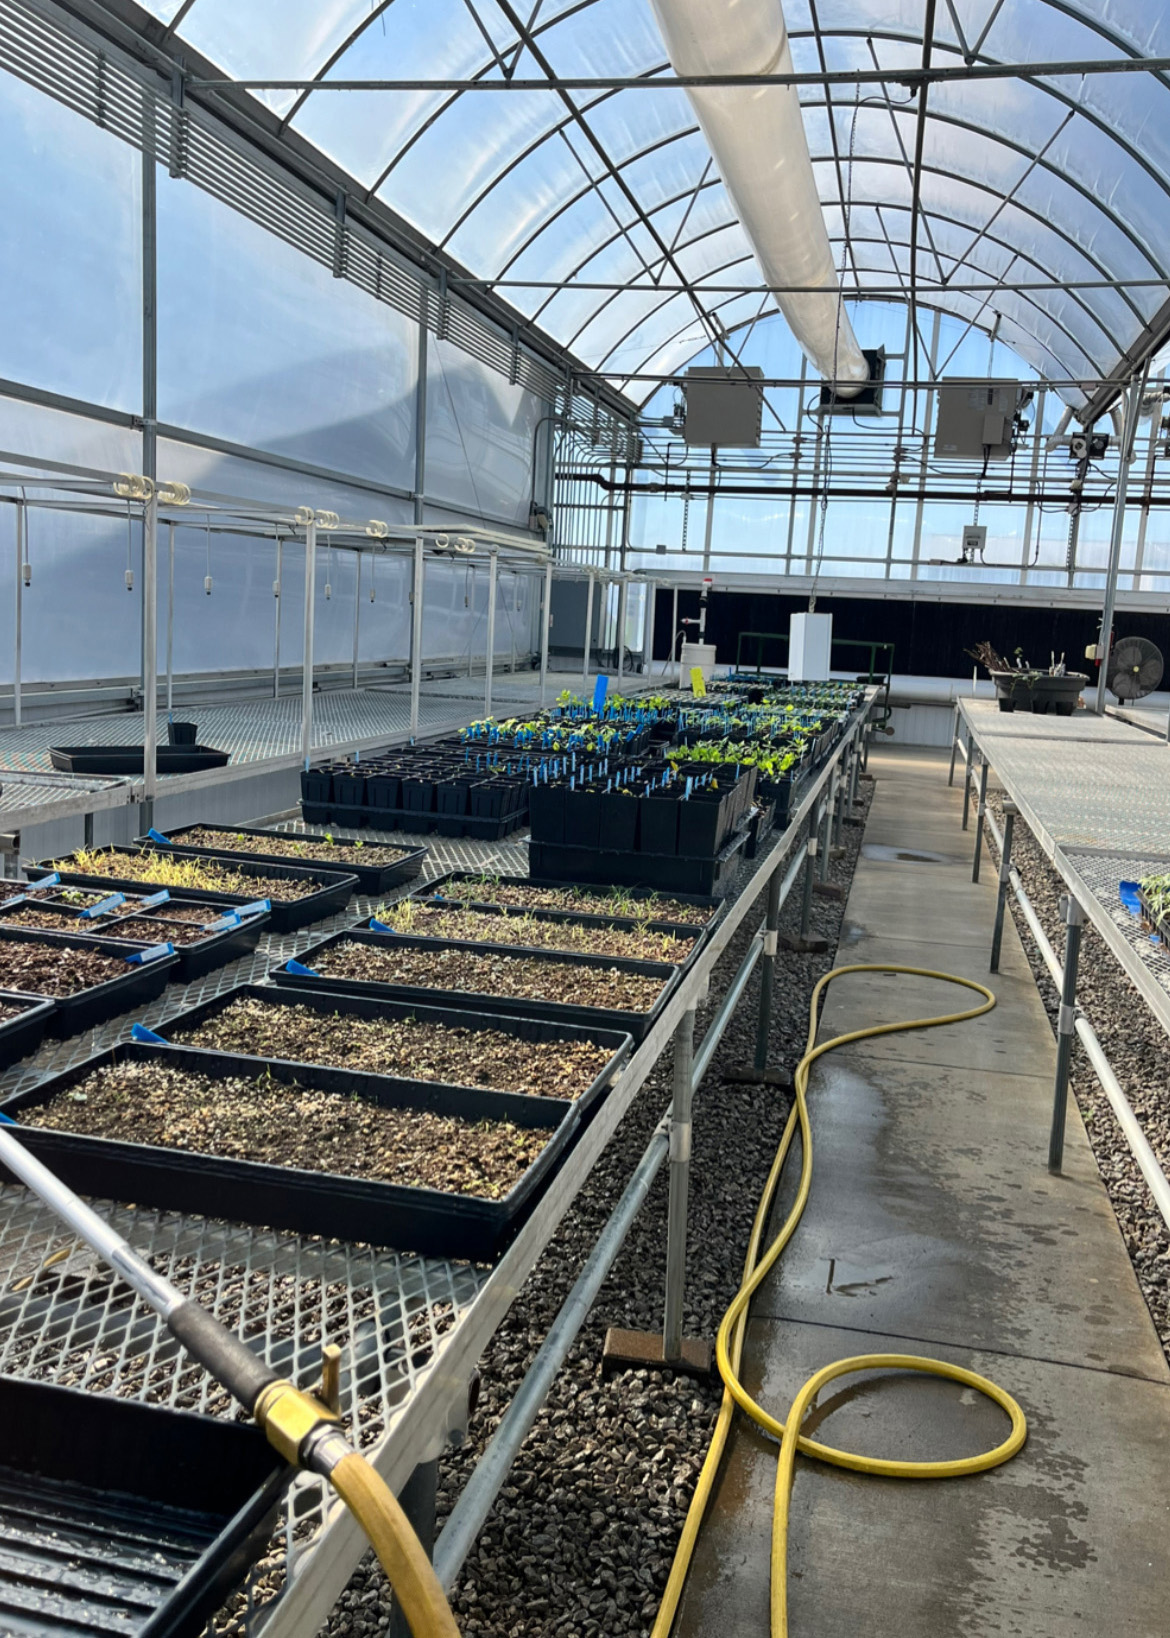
point(498, 1105)
point(486, 912)
point(636, 1024)
point(422, 1220)
point(125, 1518)
point(129, 759)
point(327, 891)
point(415, 821)
point(195, 959)
point(21, 1036)
point(666, 873)
point(451, 885)
point(138, 985)
point(371, 879)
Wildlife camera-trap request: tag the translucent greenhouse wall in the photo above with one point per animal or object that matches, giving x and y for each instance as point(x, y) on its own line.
point(274, 382)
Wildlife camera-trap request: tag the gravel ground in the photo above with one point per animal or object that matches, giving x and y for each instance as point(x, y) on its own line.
point(1136, 1047)
point(581, 1539)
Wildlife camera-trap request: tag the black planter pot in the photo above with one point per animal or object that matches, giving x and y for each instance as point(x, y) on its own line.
point(619, 821)
point(349, 787)
point(183, 733)
point(452, 797)
point(702, 825)
point(1040, 695)
point(418, 793)
point(583, 819)
point(317, 785)
point(546, 811)
point(383, 789)
point(658, 824)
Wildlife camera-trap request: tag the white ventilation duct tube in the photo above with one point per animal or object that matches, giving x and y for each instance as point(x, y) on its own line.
point(758, 142)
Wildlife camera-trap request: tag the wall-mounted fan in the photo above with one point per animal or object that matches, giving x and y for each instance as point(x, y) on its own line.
point(1135, 668)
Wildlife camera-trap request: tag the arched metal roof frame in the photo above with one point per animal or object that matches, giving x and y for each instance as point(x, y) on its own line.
point(715, 182)
point(1098, 26)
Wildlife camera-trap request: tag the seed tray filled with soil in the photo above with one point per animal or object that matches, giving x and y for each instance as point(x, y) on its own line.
point(378, 866)
point(124, 1517)
point(23, 1021)
point(89, 979)
point(200, 942)
point(509, 1058)
point(520, 892)
point(592, 936)
point(297, 897)
point(276, 1144)
point(623, 995)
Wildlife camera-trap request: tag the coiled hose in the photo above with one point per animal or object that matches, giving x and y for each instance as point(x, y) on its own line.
point(729, 1342)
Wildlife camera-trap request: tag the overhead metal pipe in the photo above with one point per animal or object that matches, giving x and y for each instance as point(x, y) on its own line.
point(757, 138)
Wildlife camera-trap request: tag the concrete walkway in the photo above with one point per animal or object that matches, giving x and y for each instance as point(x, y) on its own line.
point(935, 1228)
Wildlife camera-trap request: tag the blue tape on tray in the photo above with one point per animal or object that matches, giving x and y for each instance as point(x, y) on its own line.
point(301, 970)
point(157, 836)
point(103, 907)
point(155, 900)
point(140, 1033)
point(1128, 893)
point(154, 953)
point(258, 907)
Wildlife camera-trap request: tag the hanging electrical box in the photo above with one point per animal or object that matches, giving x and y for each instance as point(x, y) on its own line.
point(978, 420)
point(724, 406)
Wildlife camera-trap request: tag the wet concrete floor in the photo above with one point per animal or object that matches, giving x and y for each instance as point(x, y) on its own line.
point(935, 1228)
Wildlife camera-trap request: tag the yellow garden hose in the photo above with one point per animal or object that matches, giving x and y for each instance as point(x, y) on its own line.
point(400, 1553)
point(729, 1342)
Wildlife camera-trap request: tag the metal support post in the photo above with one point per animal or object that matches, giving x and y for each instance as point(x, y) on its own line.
point(418, 1503)
point(980, 819)
point(357, 612)
point(823, 844)
point(588, 632)
point(545, 626)
point(307, 651)
point(968, 771)
point(680, 1174)
point(620, 633)
point(1133, 405)
point(493, 576)
point(855, 772)
point(648, 627)
point(149, 656)
point(171, 620)
point(865, 747)
point(416, 633)
point(1005, 873)
point(276, 631)
point(768, 970)
point(1074, 919)
point(87, 830)
point(18, 633)
point(954, 746)
point(838, 801)
point(810, 875)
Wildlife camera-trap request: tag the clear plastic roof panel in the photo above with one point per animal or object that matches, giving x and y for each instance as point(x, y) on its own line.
point(608, 201)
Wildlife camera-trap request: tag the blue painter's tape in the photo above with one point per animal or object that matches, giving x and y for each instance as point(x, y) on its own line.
point(1128, 892)
point(157, 836)
point(102, 907)
point(301, 970)
point(155, 953)
point(141, 1033)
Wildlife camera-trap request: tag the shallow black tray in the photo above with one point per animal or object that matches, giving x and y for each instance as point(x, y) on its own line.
point(195, 960)
point(371, 879)
point(631, 1023)
point(126, 1517)
point(20, 1037)
point(331, 895)
point(617, 1044)
point(425, 1221)
point(138, 985)
point(565, 918)
point(414, 821)
point(129, 759)
point(453, 878)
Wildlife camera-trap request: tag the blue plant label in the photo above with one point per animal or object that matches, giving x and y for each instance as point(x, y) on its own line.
point(257, 907)
point(600, 689)
point(377, 926)
point(152, 1037)
point(156, 899)
point(103, 907)
point(7, 1120)
point(17, 898)
point(299, 968)
point(157, 836)
point(50, 881)
point(155, 953)
point(1128, 893)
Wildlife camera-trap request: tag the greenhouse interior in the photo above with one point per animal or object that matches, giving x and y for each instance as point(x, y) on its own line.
point(687, 481)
